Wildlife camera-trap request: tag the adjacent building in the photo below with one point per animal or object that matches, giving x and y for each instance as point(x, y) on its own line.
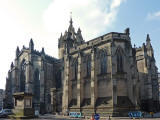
point(1, 98)
point(33, 72)
point(159, 84)
point(105, 75)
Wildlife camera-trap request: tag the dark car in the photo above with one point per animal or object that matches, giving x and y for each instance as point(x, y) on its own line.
point(5, 112)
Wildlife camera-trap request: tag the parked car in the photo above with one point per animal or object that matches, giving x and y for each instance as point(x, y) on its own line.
point(5, 112)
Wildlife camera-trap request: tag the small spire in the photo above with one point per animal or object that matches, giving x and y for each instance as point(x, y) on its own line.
point(31, 41)
point(71, 28)
point(31, 44)
point(17, 48)
point(148, 42)
point(127, 31)
point(24, 47)
point(17, 51)
point(42, 50)
point(61, 35)
point(79, 30)
point(71, 18)
point(148, 38)
point(12, 65)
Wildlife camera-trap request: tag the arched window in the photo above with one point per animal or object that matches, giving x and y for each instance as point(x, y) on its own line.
point(58, 79)
point(36, 85)
point(88, 66)
point(75, 69)
point(103, 62)
point(119, 63)
point(22, 76)
point(49, 99)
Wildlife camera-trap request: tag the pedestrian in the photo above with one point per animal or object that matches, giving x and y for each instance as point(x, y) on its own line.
point(109, 118)
point(92, 117)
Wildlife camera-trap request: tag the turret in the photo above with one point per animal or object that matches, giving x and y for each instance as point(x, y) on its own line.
point(149, 46)
point(148, 42)
point(71, 28)
point(79, 36)
point(12, 65)
point(66, 41)
point(61, 46)
point(69, 39)
point(17, 51)
point(127, 31)
point(42, 52)
point(60, 41)
point(31, 45)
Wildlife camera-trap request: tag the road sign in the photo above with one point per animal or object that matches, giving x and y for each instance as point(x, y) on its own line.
point(96, 116)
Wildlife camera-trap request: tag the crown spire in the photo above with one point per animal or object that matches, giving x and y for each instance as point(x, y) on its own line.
point(71, 28)
point(71, 22)
point(31, 45)
point(148, 38)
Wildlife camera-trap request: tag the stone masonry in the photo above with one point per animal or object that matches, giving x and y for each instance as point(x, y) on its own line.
point(105, 75)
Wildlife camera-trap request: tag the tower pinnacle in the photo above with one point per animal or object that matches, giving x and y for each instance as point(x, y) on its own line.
point(148, 38)
point(17, 51)
point(71, 28)
point(31, 45)
point(71, 22)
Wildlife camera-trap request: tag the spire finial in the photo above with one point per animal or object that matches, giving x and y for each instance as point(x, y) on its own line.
point(17, 51)
point(148, 41)
point(79, 30)
point(71, 18)
point(42, 50)
point(31, 44)
point(148, 38)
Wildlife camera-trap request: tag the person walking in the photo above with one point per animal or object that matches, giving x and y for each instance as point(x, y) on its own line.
point(109, 118)
point(92, 117)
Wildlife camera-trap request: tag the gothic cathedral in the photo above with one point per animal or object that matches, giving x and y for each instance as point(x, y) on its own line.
point(105, 75)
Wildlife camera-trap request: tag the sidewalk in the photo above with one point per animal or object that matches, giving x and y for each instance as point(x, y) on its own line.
point(61, 117)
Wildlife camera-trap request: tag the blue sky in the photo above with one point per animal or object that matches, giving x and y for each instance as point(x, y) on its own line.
point(139, 16)
point(44, 20)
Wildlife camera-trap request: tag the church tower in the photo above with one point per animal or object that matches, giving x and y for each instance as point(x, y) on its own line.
point(69, 40)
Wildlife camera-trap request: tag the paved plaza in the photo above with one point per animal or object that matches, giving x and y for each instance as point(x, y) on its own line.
point(59, 117)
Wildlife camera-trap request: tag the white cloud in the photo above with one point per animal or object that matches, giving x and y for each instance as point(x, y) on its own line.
point(154, 16)
point(11, 35)
point(92, 16)
point(17, 25)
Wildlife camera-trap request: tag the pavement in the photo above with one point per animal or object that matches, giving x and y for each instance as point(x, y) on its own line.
point(61, 117)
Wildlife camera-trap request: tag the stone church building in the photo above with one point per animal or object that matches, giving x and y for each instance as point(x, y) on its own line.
point(33, 72)
point(105, 75)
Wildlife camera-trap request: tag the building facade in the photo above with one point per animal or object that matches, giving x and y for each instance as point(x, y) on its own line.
point(159, 85)
point(33, 72)
point(1, 98)
point(105, 75)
